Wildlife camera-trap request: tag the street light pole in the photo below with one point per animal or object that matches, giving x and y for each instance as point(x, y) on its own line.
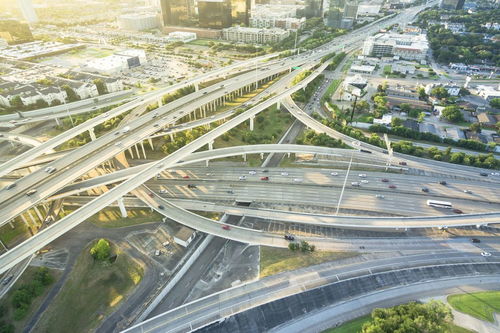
point(343, 186)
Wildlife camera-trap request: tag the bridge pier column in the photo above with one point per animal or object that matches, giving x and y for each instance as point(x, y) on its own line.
point(33, 220)
point(130, 151)
point(194, 114)
point(143, 150)
point(172, 137)
point(288, 155)
point(38, 213)
point(23, 218)
point(151, 143)
point(251, 122)
point(92, 134)
point(137, 151)
point(278, 105)
point(57, 122)
point(160, 102)
point(196, 87)
point(245, 157)
point(261, 156)
point(121, 205)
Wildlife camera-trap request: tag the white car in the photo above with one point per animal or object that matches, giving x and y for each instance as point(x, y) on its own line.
point(284, 173)
point(379, 196)
point(243, 178)
point(468, 191)
point(252, 172)
point(355, 184)
point(126, 129)
point(163, 191)
point(297, 180)
point(364, 181)
point(362, 175)
point(486, 254)
point(334, 173)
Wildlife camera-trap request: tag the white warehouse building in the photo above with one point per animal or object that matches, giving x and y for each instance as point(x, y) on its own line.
point(410, 47)
point(138, 22)
point(254, 35)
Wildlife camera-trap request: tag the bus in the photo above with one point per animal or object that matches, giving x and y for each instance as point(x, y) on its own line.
point(439, 204)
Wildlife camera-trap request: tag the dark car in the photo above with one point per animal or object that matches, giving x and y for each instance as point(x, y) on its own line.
point(425, 189)
point(185, 177)
point(151, 195)
point(403, 163)
point(442, 182)
point(161, 207)
point(265, 170)
point(226, 227)
point(392, 186)
point(289, 237)
point(191, 186)
point(457, 211)
point(475, 240)
point(484, 174)
point(385, 180)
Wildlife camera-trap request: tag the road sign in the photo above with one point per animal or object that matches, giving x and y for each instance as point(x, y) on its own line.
point(296, 67)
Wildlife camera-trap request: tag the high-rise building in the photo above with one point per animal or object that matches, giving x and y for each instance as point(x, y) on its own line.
point(214, 14)
point(240, 12)
point(177, 12)
point(342, 14)
point(27, 10)
point(452, 4)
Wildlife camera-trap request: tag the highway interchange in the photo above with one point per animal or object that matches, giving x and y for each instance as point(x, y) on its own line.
point(314, 187)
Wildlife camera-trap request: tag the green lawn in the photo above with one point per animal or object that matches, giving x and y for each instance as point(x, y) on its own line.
point(332, 88)
point(480, 305)
point(111, 217)
point(352, 326)
point(277, 260)
point(92, 291)
point(10, 236)
point(387, 69)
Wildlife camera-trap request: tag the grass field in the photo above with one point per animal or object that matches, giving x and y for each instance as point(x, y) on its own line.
point(111, 217)
point(276, 260)
point(9, 235)
point(332, 88)
point(480, 305)
point(92, 291)
point(354, 326)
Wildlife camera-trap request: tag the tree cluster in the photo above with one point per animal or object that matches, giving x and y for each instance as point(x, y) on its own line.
point(302, 246)
point(25, 294)
point(101, 251)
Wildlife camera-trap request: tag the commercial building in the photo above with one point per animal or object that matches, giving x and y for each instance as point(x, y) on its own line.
point(181, 36)
point(26, 7)
point(368, 9)
point(254, 35)
point(14, 31)
point(117, 62)
point(287, 23)
point(138, 22)
point(452, 4)
point(488, 92)
point(184, 236)
point(342, 14)
point(410, 47)
point(240, 12)
point(214, 14)
point(177, 12)
point(362, 69)
point(353, 86)
point(34, 50)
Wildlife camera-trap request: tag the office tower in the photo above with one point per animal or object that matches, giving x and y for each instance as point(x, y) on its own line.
point(177, 13)
point(28, 11)
point(452, 4)
point(351, 10)
point(240, 12)
point(335, 13)
point(214, 14)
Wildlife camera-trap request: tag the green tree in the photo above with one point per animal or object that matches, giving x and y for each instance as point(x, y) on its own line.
point(421, 93)
point(452, 113)
point(101, 86)
point(421, 117)
point(72, 96)
point(495, 103)
point(475, 127)
point(440, 92)
point(101, 250)
point(396, 122)
point(17, 102)
point(432, 317)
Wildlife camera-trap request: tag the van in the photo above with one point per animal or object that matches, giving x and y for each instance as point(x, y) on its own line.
point(126, 129)
point(31, 192)
point(355, 184)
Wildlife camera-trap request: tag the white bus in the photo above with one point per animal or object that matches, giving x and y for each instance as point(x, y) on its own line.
point(439, 204)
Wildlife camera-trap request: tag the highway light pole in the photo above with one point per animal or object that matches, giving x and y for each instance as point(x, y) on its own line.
point(345, 182)
point(67, 109)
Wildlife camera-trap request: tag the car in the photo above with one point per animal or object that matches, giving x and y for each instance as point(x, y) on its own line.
point(403, 163)
point(50, 169)
point(425, 189)
point(126, 129)
point(252, 172)
point(289, 237)
point(156, 125)
point(205, 92)
point(495, 173)
point(379, 196)
point(151, 195)
point(118, 143)
point(161, 207)
point(31, 192)
point(457, 211)
point(163, 191)
point(364, 181)
point(165, 244)
point(486, 254)
point(297, 180)
point(226, 227)
point(157, 252)
point(242, 178)
point(484, 174)
point(265, 171)
point(191, 186)
point(117, 133)
point(362, 175)
point(442, 182)
point(230, 191)
point(385, 180)
point(105, 114)
point(7, 280)
point(355, 184)
point(467, 191)
point(475, 240)
point(11, 185)
point(264, 178)
point(392, 186)
point(284, 173)
point(334, 173)
point(185, 177)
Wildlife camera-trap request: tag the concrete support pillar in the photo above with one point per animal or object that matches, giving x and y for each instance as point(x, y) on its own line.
point(251, 122)
point(288, 155)
point(137, 151)
point(27, 224)
point(278, 105)
point(121, 205)
point(143, 150)
point(130, 152)
point(261, 156)
point(172, 137)
point(151, 143)
point(92, 134)
point(40, 216)
point(194, 114)
point(189, 116)
point(33, 220)
point(211, 145)
point(196, 87)
point(245, 157)
point(57, 122)
point(160, 102)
